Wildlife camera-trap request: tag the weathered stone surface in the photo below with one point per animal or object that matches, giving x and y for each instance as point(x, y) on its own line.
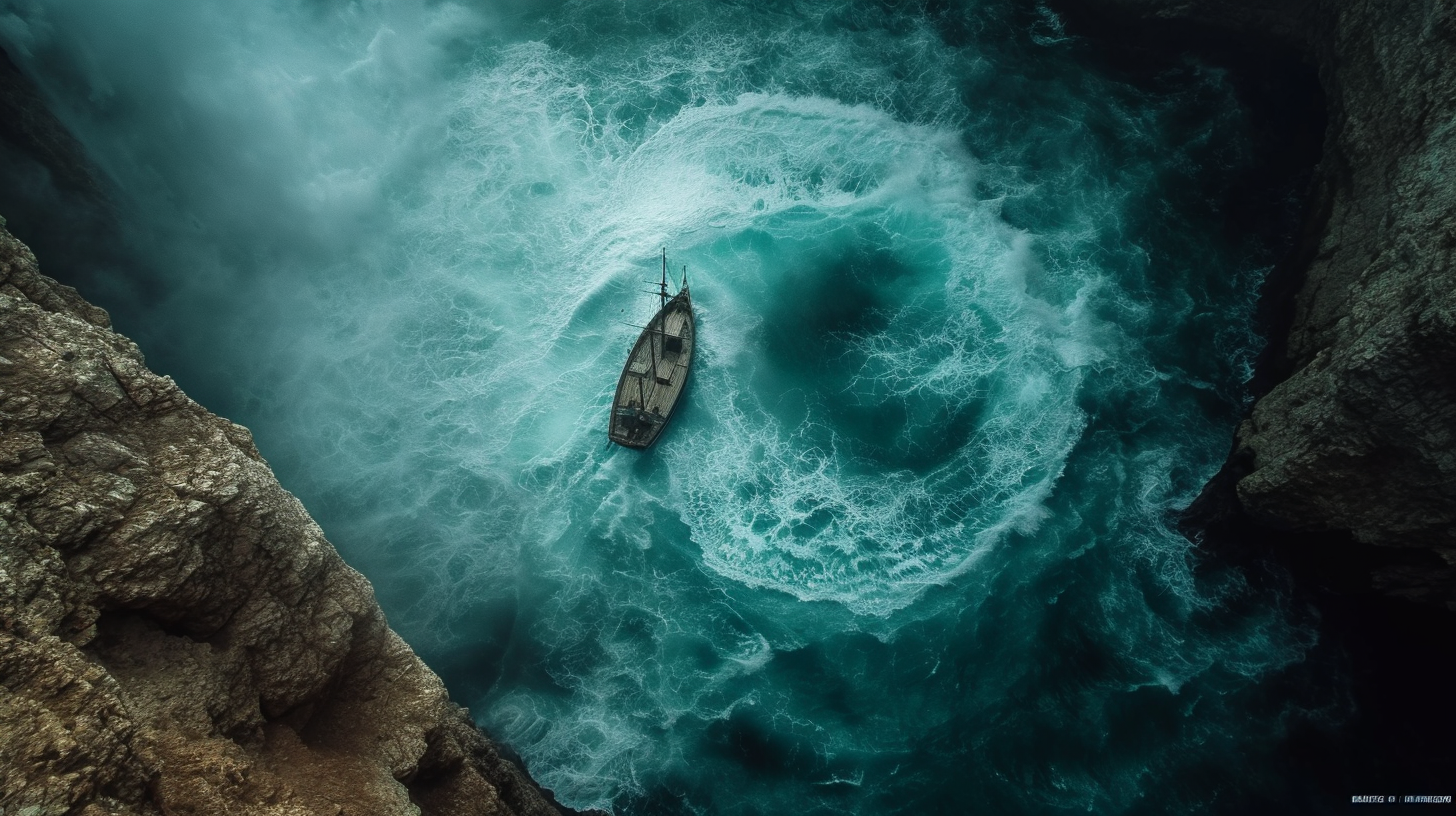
point(1361, 437)
point(176, 634)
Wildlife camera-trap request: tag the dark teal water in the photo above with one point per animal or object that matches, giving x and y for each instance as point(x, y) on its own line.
point(972, 332)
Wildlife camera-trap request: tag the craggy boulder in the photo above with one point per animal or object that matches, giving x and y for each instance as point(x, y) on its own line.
point(1359, 435)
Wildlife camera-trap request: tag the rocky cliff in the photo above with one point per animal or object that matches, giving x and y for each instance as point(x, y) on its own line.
point(176, 634)
point(1358, 436)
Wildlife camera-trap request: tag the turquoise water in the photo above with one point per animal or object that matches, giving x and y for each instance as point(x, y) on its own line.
point(972, 332)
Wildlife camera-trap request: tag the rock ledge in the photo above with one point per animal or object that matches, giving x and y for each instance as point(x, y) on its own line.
point(1358, 436)
point(176, 634)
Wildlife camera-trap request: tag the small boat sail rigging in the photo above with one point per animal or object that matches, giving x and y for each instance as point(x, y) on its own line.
point(657, 369)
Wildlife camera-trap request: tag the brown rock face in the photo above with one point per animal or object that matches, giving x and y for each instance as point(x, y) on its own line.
point(1361, 437)
point(176, 635)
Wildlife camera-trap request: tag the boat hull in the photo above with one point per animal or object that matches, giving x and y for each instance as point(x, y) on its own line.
point(655, 376)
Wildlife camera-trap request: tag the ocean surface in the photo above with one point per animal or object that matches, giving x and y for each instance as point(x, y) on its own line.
point(973, 329)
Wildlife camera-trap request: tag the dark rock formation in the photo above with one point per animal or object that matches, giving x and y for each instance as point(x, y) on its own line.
point(28, 124)
point(176, 635)
point(1359, 434)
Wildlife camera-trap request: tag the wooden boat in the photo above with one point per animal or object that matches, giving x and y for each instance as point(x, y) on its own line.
point(657, 369)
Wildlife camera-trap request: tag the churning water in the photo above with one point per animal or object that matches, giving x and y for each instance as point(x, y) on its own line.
point(971, 333)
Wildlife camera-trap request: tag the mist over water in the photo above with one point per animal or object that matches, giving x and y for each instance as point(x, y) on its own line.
point(971, 333)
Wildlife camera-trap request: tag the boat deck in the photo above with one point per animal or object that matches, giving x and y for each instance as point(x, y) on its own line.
point(654, 376)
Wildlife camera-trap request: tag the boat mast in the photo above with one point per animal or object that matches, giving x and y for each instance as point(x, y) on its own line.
point(661, 318)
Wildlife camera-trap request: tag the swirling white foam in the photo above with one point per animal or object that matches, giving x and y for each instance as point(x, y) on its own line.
point(406, 268)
